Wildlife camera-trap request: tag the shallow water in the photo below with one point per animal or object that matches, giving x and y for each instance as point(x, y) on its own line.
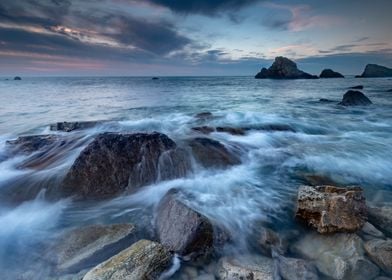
point(352, 145)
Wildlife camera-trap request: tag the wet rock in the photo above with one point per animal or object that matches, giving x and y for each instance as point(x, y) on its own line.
point(318, 180)
point(204, 115)
point(340, 256)
point(356, 87)
point(182, 229)
point(328, 73)
point(211, 153)
point(389, 90)
point(369, 232)
point(381, 217)
point(33, 143)
point(275, 127)
point(204, 129)
point(87, 246)
point(354, 98)
point(375, 71)
point(17, 78)
point(70, 126)
point(331, 209)
point(296, 269)
point(154, 78)
point(325, 100)
point(382, 278)
point(143, 260)
point(283, 68)
point(246, 267)
point(270, 242)
point(114, 163)
point(380, 251)
point(225, 129)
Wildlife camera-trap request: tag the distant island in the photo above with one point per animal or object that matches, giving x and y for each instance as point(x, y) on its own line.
point(375, 71)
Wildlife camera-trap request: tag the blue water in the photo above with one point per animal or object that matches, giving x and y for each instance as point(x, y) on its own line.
point(352, 145)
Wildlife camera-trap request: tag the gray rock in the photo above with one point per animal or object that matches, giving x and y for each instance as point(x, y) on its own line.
point(114, 163)
point(283, 68)
point(87, 246)
point(70, 126)
point(380, 251)
point(331, 209)
point(356, 87)
point(182, 229)
point(32, 143)
point(226, 129)
point(270, 242)
point(328, 73)
point(381, 217)
point(143, 260)
point(355, 98)
point(246, 267)
point(17, 78)
point(297, 269)
point(369, 232)
point(375, 71)
point(211, 153)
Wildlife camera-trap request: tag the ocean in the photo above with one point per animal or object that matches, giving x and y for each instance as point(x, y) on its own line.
point(350, 145)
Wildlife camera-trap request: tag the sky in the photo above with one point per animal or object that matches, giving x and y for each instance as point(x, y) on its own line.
point(190, 37)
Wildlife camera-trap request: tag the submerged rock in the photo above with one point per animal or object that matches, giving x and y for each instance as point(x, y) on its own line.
point(283, 68)
point(354, 98)
point(70, 126)
point(246, 267)
point(296, 269)
point(356, 87)
point(380, 251)
point(375, 71)
point(325, 100)
point(114, 163)
point(33, 143)
point(17, 78)
point(225, 129)
point(331, 209)
point(182, 229)
point(381, 217)
point(328, 73)
point(211, 153)
point(340, 256)
point(84, 247)
point(143, 260)
point(204, 115)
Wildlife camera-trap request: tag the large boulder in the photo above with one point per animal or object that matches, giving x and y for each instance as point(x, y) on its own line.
point(182, 229)
point(246, 267)
point(70, 126)
point(375, 71)
point(380, 251)
point(339, 256)
point(87, 246)
point(331, 209)
point(328, 73)
point(296, 269)
point(143, 260)
point(283, 68)
point(381, 217)
point(113, 163)
point(212, 153)
point(355, 98)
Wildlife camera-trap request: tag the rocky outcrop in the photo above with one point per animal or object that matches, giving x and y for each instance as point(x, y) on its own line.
point(339, 256)
point(330, 209)
point(283, 68)
point(356, 87)
point(71, 126)
point(381, 217)
point(380, 251)
point(296, 269)
point(355, 98)
point(114, 163)
point(86, 246)
point(246, 267)
point(328, 73)
point(375, 71)
point(211, 153)
point(182, 229)
point(17, 78)
point(143, 260)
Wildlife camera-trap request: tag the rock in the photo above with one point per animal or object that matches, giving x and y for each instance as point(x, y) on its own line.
point(340, 256)
point(33, 143)
point(331, 209)
point(87, 246)
point(143, 260)
point(155, 78)
point(211, 153)
point(380, 251)
point(369, 232)
point(283, 68)
point(204, 115)
point(318, 180)
point(271, 127)
point(226, 129)
point(354, 98)
point(325, 100)
point(114, 163)
point(70, 126)
point(270, 242)
point(375, 71)
point(296, 269)
point(389, 90)
point(328, 73)
point(382, 278)
point(182, 229)
point(246, 267)
point(17, 78)
point(204, 129)
point(356, 87)
point(381, 217)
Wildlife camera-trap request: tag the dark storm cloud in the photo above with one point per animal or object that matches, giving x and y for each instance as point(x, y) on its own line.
point(206, 7)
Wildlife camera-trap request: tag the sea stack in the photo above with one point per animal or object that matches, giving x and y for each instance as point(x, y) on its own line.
point(283, 68)
point(329, 73)
point(375, 71)
point(17, 78)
